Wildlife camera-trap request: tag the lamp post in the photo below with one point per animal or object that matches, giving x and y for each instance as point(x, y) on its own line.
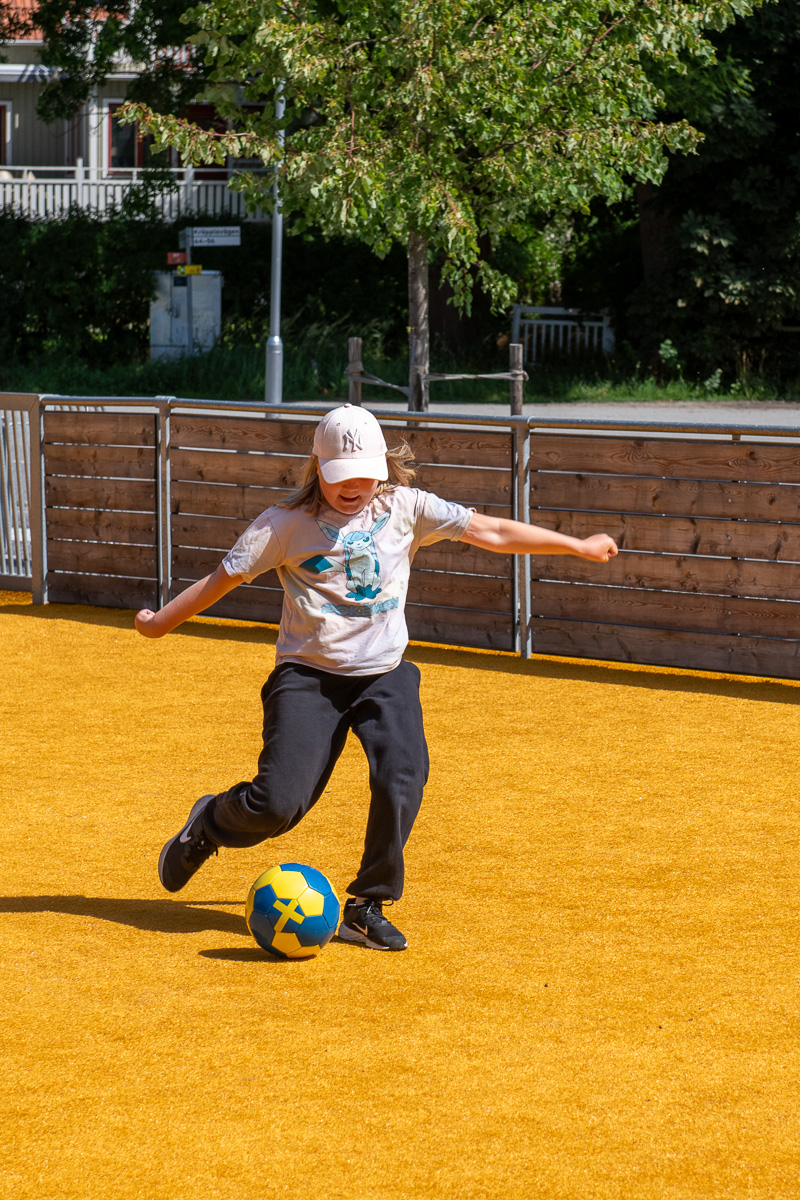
point(274, 365)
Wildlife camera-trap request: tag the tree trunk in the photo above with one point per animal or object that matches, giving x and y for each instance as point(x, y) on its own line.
point(419, 336)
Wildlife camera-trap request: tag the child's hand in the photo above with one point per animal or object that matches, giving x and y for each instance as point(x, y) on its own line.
point(599, 547)
point(146, 622)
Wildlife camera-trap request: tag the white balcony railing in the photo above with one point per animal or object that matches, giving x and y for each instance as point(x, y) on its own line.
point(52, 191)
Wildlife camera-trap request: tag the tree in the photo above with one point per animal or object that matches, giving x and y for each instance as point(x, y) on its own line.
point(729, 256)
point(84, 42)
point(441, 124)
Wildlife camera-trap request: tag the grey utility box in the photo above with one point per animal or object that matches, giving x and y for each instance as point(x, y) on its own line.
point(186, 315)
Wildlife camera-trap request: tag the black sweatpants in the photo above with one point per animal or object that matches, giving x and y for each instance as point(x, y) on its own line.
point(307, 714)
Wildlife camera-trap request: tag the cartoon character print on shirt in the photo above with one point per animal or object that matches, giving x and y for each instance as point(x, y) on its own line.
point(361, 564)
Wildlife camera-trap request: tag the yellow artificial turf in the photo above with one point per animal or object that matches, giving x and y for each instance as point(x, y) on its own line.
point(600, 995)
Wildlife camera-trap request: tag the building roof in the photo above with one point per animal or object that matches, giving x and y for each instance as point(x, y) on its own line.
point(20, 12)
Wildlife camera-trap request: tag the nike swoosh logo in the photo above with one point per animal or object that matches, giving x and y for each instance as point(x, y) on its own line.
point(186, 836)
point(361, 928)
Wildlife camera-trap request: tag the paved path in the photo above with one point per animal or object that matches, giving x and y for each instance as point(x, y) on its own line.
point(708, 412)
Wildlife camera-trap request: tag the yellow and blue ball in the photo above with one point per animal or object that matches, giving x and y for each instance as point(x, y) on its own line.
point(292, 911)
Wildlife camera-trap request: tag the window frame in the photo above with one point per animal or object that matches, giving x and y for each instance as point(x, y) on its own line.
point(6, 133)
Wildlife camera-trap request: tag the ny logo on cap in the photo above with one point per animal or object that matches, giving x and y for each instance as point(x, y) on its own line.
point(352, 439)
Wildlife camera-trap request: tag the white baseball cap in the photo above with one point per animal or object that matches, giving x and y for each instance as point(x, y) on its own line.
point(349, 444)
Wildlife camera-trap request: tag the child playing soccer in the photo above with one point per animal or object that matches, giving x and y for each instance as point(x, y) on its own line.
point(342, 545)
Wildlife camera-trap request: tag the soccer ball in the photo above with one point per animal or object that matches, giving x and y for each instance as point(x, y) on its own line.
point(292, 911)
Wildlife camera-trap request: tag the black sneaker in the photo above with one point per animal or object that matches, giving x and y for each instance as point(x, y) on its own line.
point(186, 852)
point(363, 922)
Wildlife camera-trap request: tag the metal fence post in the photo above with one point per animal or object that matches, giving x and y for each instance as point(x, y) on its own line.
point(163, 502)
point(522, 449)
point(354, 368)
point(37, 503)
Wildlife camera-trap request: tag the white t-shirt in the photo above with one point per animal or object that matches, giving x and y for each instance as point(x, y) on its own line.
point(345, 577)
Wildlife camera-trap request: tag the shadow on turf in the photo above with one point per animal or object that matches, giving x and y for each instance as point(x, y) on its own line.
point(660, 679)
point(157, 916)
point(250, 954)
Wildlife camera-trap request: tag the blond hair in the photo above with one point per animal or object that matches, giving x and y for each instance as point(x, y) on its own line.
point(309, 494)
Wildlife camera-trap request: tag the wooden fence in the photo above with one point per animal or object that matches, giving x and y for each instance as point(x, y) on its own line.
point(140, 499)
point(708, 574)
point(126, 491)
point(100, 476)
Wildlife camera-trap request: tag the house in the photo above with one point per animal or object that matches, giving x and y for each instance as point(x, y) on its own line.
point(90, 160)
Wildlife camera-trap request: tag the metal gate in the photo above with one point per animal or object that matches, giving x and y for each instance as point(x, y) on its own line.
point(16, 552)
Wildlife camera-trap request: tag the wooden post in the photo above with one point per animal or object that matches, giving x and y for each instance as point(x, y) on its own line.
point(354, 368)
point(516, 385)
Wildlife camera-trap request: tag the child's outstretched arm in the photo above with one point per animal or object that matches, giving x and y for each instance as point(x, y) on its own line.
point(194, 600)
point(515, 537)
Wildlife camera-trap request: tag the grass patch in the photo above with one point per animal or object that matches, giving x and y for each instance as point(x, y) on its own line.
point(314, 369)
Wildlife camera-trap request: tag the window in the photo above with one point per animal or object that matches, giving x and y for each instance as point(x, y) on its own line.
point(5, 134)
point(126, 150)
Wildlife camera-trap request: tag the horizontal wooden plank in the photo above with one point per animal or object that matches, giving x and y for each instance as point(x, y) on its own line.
point(104, 590)
point(100, 429)
point(193, 562)
point(102, 558)
point(217, 533)
point(211, 466)
point(267, 435)
point(668, 648)
point(680, 535)
point(116, 462)
point(672, 497)
point(134, 495)
point(679, 573)
point(464, 591)
point(278, 436)
point(466, 485)
point(693, 458)
point(202, 499)
point(667, 610)
point(459, 557)
point(250, 604)
point(455, 627)
point(98, 525)
point(459, 447)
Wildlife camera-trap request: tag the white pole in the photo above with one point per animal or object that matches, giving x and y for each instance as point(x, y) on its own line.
point(274, 365)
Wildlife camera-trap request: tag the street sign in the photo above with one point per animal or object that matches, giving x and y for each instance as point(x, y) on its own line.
point(194, 269)
point(210, 235)
point(175, 257)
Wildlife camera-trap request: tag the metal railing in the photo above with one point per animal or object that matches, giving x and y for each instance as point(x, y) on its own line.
point(51, 191)
point(16, 543)
point(559, 332)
